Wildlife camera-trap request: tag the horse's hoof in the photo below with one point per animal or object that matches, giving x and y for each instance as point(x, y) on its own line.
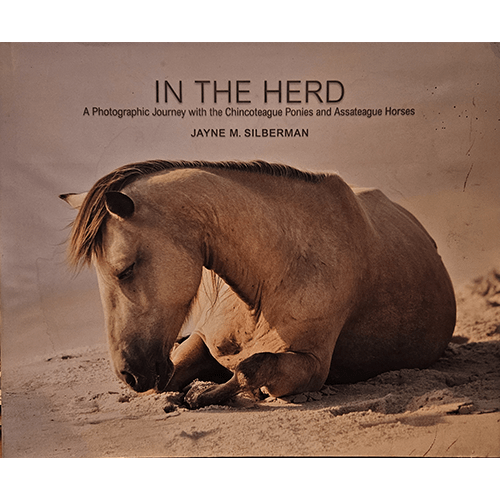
point(197, 388)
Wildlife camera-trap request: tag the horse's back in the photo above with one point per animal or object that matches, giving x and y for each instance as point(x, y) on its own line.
point(406, 310)
point(389, 215)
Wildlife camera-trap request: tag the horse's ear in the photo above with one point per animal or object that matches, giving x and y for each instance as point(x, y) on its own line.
point(119, 204)
point(75, 200)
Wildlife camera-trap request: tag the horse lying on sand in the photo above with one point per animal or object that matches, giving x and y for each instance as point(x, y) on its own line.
point(295, 278)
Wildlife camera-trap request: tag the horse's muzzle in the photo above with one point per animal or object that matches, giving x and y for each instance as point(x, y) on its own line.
point(157, 378)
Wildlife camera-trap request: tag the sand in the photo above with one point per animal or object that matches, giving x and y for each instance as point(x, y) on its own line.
point(72, 405)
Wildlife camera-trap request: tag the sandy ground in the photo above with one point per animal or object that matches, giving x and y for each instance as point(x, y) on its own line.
point(72, 405)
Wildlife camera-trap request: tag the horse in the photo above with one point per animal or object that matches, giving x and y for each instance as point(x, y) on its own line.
point(291, 279)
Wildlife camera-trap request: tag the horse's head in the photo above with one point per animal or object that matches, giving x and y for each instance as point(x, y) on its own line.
point(147, 282)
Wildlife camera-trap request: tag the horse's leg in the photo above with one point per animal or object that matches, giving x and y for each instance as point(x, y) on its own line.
point(193, 360)
point(278, 374)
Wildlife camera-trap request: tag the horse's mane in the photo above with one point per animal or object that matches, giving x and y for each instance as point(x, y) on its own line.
point(86, 235)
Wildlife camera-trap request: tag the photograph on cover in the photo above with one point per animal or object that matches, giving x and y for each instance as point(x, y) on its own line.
point(250, 249)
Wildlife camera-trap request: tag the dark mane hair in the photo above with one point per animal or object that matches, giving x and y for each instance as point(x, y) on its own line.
point(86, 235)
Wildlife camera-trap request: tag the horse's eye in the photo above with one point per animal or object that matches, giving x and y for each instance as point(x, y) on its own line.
point(127, 273)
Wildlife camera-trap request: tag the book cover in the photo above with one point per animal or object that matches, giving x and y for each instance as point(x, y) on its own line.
point(420, 122)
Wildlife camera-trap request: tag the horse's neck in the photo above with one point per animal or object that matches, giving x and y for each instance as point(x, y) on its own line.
point(254, 230)
point(246, 240)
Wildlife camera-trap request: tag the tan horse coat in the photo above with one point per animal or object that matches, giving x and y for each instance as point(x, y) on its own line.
point(327, 283)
